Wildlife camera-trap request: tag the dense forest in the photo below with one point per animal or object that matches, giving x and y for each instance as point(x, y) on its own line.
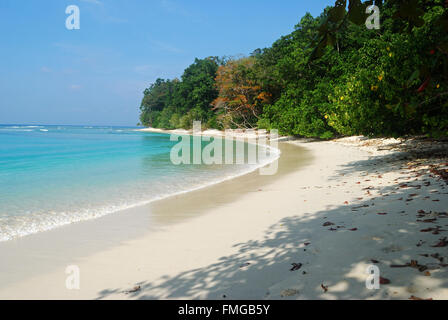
point(331, 76)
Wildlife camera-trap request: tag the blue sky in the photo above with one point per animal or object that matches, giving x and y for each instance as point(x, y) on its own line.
point(96, 75)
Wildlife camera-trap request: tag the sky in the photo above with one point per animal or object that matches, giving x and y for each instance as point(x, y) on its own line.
point(96, 75)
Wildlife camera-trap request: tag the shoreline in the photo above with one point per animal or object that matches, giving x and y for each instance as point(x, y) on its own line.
point(92, 236)
point(242, 245)
point(83, 218)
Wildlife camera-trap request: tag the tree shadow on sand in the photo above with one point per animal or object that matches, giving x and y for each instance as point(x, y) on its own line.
point(331, 249)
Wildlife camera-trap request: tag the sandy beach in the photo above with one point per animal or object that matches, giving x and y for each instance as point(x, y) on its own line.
point(309, 232)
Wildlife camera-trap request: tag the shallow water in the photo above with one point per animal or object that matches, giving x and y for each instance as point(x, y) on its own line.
point(55, 175)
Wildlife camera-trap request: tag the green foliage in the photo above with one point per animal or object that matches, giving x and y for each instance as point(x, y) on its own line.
point(331, 76)
point(177, 103)
point(379, 83)
point(197, 88)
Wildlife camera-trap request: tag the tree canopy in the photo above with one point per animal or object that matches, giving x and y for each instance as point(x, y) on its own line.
point(330, 76)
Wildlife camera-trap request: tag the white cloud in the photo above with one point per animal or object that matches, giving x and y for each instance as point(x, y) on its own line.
point(75, 87)
point(97, 2)
point(175, 8)
point(166, 47)
point(102, 12)
point(143, 68)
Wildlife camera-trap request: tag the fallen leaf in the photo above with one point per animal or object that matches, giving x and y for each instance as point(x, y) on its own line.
point(399, 265)
point(295, 266)
point(135, 289)
point(359, 207)
point(422, 268)
point(441, 243)
point(384, 280)
point(417, 298)
point(437, 256)
point(427, 220)
point(414, 263)
point(420, 243)
point(289, 292)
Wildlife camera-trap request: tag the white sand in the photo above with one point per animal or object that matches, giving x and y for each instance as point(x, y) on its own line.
point(243, 247)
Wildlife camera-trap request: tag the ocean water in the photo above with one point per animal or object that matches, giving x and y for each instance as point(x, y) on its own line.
point(56, 175)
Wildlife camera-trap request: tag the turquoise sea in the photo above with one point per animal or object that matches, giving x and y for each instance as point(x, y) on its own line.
point(55, 175)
